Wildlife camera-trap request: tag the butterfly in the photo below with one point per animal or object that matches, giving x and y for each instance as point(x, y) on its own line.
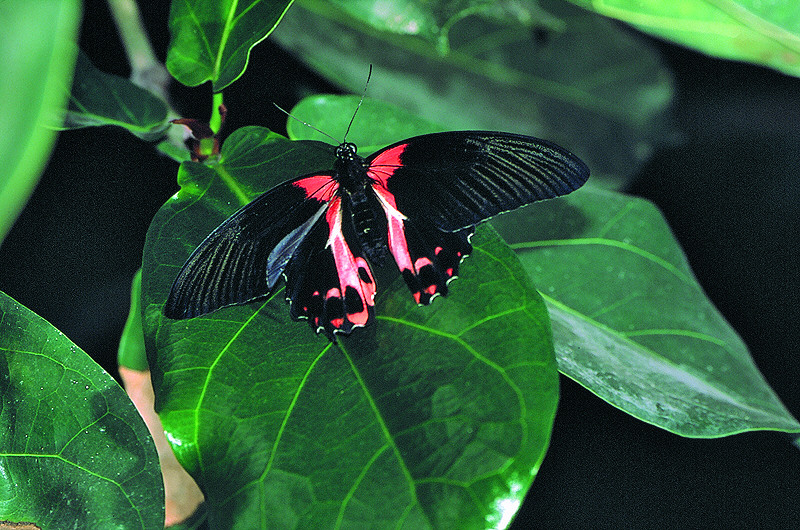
point(415, 202)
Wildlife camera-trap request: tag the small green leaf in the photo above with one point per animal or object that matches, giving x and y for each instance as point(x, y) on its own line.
point(379, 125)
point(37, 45)
point(212, 39)
point(430, 417)
point(587, 86)
point(98, 99)
point(173, 151)
point(131, 353)
point(765, 33)
point(74, 451)
point(630, 322)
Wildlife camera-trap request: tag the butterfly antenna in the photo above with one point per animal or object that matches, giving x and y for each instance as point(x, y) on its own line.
point(305, 123)
point(360, 101)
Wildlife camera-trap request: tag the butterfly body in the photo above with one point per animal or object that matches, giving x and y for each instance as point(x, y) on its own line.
point(360, 204)
point(415, 203)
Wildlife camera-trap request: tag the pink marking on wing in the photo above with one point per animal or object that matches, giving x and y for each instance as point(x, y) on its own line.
point(319, 187)
point(333, 293)
point(431, 289)
point(437, 250)
point(347, 266)
point(422, 262)
point(385, 164)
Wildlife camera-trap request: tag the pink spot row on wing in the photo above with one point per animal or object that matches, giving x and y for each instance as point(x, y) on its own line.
point(319, 187)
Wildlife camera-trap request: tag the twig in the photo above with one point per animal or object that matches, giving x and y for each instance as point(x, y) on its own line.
point(146, 70)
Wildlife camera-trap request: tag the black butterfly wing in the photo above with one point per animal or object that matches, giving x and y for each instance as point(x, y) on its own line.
point(435, 188)
point(243, 258)
point(458, 179)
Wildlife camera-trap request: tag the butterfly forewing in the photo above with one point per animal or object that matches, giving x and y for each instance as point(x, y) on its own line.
point(232, 265)
point(458, 179)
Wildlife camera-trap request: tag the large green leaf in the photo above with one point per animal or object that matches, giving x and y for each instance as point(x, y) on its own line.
point(431, 417)
point(98, 99)
point(630, 322)
point(586, 85)
point(38, 50)
point(765, 33)
point(74, 451)
point(212, 39)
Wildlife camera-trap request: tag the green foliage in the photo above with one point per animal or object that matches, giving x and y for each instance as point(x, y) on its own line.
point(606, 105)
point(630, 322)
point(766, 33)
point(637, 330)
point(74, 451)
point(431, 417)
point(98, 99)
point(212, 39)
point(38, 57)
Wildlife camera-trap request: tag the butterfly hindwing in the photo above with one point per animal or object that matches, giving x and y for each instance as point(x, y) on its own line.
point(328, 280)
point(243, 257)
point(458, 179)
point(430, 259)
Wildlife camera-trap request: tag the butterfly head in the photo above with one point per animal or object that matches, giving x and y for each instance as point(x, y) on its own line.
point(347, 151)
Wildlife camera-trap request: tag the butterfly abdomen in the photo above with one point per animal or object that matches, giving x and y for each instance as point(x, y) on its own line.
point(369, 225)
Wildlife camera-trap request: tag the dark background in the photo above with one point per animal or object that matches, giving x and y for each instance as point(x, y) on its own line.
point(729, 191)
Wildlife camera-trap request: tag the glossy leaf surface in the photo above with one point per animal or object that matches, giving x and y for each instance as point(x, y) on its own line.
point(766, 33)
point(98, 98)
point(212, 39)
point(74, 451)
point(631, 324)
point(566, 75)
point(431, 417)
point(37, 45)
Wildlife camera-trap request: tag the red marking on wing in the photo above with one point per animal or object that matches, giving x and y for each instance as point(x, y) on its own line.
point(319, 187)
point(422, 262)
point(398, 245)
point(383, 166)
point(347, 268)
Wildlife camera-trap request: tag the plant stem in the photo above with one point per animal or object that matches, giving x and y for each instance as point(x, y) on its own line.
point(216, 118)
point(146, 70)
